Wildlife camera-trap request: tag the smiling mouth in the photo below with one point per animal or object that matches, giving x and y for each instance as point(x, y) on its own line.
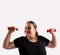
point(28, 32)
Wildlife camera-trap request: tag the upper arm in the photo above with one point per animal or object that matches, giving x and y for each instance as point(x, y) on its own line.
point(15, 44)
point(50, 45)
point(10, 46)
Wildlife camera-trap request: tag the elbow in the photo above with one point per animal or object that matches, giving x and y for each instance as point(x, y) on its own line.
point(53, 46)
point(5, 47)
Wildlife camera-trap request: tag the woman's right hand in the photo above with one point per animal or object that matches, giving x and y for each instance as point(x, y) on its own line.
point(11, 29)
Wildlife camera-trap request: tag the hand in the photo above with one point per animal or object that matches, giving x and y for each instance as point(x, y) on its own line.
point(51, 30)
point(12, 29)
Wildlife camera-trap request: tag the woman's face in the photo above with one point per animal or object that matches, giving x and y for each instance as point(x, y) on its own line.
point(29, 30)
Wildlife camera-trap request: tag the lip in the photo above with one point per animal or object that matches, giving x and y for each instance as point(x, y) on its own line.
point(28, 32)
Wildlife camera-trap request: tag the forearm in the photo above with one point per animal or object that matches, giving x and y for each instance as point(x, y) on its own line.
point(53, 39)
point(7, 40)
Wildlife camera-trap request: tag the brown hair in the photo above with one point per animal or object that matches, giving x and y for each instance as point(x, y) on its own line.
point(35, 26)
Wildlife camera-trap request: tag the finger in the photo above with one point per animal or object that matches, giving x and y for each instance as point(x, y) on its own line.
point(12, 28)
point(49, 30)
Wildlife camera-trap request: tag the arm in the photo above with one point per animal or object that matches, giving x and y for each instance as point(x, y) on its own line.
point(52, 44)
point(7, 44)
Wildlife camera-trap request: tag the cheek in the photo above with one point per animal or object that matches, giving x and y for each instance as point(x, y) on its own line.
point(24, 31)
point(27, 31)
point(32, 31)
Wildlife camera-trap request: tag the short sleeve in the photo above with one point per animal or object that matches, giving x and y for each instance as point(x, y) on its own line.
point(17, 42)
point(46, 41)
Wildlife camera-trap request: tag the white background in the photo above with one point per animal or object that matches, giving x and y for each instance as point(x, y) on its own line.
point(46, 14)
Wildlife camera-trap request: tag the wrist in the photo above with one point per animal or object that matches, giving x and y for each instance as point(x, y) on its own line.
point(53, 34)
point(9, 32)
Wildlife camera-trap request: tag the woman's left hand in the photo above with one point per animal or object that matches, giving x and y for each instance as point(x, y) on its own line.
point(51, 30)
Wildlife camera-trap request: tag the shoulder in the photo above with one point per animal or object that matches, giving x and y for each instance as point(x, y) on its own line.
point(20, 38)
point(41, 37)
point(44, 40)
point(18, 41)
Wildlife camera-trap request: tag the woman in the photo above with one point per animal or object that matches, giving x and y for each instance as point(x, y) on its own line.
point(31, 43)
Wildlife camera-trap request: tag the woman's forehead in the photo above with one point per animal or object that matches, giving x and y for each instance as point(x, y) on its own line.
point(29, 24)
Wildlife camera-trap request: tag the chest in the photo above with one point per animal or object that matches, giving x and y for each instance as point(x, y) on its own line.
point(30, 48)
point(33, 47)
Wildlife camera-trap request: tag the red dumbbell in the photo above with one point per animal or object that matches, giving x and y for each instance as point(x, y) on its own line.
point(50, 30)
point(9, 28)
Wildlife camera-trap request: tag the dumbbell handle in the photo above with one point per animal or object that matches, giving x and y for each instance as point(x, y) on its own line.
point(50, 30)
point(9, 28)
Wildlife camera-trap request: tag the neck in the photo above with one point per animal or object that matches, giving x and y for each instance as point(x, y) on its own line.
point(32, 38)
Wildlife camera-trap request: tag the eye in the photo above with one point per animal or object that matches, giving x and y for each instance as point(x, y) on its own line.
point(27, 27)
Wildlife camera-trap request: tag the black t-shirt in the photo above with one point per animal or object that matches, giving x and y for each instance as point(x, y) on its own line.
point(31, 48)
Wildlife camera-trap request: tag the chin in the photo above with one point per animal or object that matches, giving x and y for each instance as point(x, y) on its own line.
point(28, 35)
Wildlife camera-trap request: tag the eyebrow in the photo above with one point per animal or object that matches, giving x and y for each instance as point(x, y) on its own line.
point(28, 27)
